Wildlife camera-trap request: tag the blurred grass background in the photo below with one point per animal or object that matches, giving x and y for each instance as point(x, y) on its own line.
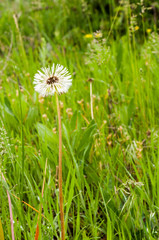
point(111, 163)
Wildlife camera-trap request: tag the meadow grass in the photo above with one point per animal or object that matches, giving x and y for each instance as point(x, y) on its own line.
point(111, 162)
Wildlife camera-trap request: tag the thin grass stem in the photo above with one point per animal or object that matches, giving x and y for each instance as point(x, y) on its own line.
point(91, 100)
point(22, 155)
point(22, 145)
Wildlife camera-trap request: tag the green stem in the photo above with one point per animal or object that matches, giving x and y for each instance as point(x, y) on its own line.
point(22, 157)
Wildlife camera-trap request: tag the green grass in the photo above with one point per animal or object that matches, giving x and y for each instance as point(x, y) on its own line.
point(111, 163)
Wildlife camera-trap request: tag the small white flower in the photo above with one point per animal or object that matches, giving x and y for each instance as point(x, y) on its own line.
point(52, 79)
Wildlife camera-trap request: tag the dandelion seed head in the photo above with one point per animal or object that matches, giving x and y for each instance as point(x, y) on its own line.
point(53, 79)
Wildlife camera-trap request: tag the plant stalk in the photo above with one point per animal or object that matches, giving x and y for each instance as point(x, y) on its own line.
point(91, 100)
point(60, 171)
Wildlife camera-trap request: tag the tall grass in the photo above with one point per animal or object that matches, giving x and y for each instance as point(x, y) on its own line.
point(110, 163)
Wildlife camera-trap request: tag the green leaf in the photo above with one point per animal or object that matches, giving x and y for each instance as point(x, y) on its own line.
point(119, 55)
point(87, 135)
point(47, 136)
point(8, 108)
point(74, 120)
point(32, 115)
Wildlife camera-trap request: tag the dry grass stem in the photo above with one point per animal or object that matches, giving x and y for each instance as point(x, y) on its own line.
point(91, 100)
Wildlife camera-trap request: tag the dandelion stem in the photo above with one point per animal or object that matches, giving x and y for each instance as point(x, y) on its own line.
point(60, 171)
point(91, 100)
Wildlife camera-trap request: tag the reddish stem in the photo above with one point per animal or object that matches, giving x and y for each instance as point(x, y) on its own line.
point(60, 172)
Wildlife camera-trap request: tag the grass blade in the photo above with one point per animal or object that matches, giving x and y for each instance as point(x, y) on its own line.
point(1, 231)
point(37, 226)
point(10, 210)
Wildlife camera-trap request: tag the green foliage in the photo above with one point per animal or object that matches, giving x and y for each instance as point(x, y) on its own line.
point(110, 163)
